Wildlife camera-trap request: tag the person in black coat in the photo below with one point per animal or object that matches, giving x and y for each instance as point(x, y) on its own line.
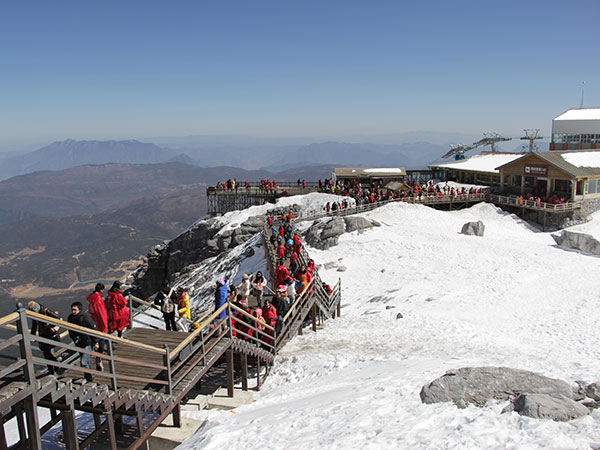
point(166, 299)
point(82, 340)
point(47, 331)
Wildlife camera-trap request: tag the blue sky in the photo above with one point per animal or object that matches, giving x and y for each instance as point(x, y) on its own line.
point(113, 70)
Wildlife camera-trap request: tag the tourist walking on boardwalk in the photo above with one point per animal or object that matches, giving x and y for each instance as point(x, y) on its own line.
point(244, 287)
point(259, 283)
point(98, 313)
point(166, 301)
point(183, 304)
point(117, 309)
point(82, 340)
point(97, 309)
point(47, 331)
point(183, 309)
point(281, 272)
point(221, 297)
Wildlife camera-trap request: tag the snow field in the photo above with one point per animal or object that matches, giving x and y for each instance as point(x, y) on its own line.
point(511, 298)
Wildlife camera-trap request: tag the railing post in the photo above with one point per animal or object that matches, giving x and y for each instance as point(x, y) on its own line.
point(176, 409)
point(167, 363)
point(111, 366)
point(130, 326)
point(229, 320)
point(339, 302)
point(30, 403)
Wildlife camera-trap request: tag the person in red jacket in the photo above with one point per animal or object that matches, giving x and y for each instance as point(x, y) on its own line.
point(269, 314)
point(281, 272)
point(280, 251)
point(117, 309)
point(97, 308)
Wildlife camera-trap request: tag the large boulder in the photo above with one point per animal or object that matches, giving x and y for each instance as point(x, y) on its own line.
point(324, 234)
point(544, 406)
point(578, 241)
point(473, 228)
point(333, 228)
point(356, 223)
point(477, 385)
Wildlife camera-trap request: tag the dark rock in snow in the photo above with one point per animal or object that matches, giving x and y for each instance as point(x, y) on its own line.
point(325, 234)
point(333, 228)
point(477, 385)
point(354, 223)
point(578, 241)
point(400, 316)
point(473, 228)
point(544, 406)
point(593, 390)
point(591, 405)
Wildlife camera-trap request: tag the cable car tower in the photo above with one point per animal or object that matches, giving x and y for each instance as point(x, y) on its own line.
point(531, 136)
point(491, 139)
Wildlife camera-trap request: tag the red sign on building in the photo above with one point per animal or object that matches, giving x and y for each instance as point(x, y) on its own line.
point(538, 171)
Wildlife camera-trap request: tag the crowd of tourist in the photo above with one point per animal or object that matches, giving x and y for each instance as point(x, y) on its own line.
point(260, 303)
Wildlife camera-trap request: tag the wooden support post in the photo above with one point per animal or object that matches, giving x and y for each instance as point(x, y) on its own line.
point(69, 426)
point(97, 421)
point(313, 315)
point(21, 423)
point(112, 438)
point(119, 424)
point(244, 364)
point(33, 429)
point(177, 416)
point(230, 375)
point(140, 424)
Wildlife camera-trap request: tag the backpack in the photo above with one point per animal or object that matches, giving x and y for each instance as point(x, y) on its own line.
point(168, 305)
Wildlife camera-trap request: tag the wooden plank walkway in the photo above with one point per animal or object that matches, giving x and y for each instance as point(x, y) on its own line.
point(155, 338)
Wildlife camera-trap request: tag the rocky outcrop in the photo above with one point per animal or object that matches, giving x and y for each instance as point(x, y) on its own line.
point(544, 406)
point(578, 241)
point(473, 228)
point(477, 385)
point(324, 234)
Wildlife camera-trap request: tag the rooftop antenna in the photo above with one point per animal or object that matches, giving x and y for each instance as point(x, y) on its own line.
point(582, 90)
point(531, 136)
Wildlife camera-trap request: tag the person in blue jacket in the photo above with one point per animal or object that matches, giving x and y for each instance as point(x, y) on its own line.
point(221, 297)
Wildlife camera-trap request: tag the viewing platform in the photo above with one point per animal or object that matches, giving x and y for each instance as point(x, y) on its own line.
point(223, 200)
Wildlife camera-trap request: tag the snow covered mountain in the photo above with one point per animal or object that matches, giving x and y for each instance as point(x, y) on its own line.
point(419, 298)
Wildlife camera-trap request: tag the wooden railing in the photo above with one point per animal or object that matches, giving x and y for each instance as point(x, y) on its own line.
point(513, 200)
point(423, 199)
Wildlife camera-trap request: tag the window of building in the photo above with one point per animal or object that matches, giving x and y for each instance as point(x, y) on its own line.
point(592, 187)
point(516, 180)
point(529, 182)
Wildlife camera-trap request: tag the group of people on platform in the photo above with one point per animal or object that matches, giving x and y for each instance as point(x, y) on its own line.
point(110, 315)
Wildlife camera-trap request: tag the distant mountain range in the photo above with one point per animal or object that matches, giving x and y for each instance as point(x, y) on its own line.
point(71, 153)
point(411, 150)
